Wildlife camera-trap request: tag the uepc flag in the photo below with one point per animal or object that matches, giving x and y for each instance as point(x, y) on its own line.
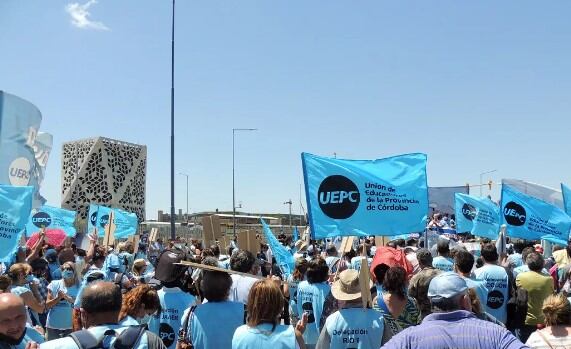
point(365, 197)
point(126, 223)
point(479, 216)
point(532, 219)
point(283, 257)
point(15, 207)
point(51, 218)
point(566, 191)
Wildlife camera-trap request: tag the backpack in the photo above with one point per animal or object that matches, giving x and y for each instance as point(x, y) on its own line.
point(167, 270)
point(125, 340)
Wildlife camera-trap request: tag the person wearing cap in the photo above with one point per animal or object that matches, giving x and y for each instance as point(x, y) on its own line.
point(352, 325)
point(497, 283)
point(452, 324)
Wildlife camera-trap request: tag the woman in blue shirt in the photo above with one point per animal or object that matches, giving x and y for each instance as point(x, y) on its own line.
point(263, 329)
point(290, 288)
point(61, 296)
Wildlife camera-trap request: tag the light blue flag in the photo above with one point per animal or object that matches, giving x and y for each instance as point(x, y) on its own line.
point(92, 218)
point(15, 207)
point(19, 124)
point(365, 197)
point(532, 219)
point(284, 258)
point(566, 191)
point(51, 218)
point(126, 223)
point(295, 234)
point(478, 216)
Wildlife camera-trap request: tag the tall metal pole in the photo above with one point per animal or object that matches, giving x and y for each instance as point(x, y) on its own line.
point(173, 232)
point(233, 184)
point(186, 175)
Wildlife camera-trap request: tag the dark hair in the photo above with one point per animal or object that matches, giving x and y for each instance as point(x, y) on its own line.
point(445, 305)
point(535, 261)
point(525, 252)
point(331, 250)
point(102, 297)
point(464, 261)
point(216, 250)
point(242, 261)
point(519, 245)
point(300, 268)
point(317, 271)
point(39, 264)
point(424, 257)
point(443, 247)
point(215, 285)
point(400, 242)
point(395, 281)
point(489, 253)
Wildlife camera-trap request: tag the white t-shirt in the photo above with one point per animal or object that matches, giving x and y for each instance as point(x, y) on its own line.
point(240, 288)
point(535, 340)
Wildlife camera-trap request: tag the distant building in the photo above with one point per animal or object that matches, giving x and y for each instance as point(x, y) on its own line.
point(104, 171)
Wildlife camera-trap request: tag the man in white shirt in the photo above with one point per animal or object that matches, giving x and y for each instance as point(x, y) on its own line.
point(245, 262)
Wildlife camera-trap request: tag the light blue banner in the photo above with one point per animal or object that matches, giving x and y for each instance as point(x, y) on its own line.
point(51, 218)
point(478, 216)
point(19, 124)
point(284, 258)
point(295, 234)
point(365, 197)
point(92, 218)
point(15, 207)
point(532, 219)
point(126, 223)
point(566, 191)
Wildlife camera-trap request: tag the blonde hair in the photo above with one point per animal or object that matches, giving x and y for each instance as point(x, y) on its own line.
point(557, 310)
point(19, 268)
point(265, 303)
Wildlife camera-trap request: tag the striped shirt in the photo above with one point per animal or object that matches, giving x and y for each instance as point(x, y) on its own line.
point(456, 329)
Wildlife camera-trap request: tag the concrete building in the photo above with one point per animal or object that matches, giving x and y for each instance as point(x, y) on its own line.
point(104, 171)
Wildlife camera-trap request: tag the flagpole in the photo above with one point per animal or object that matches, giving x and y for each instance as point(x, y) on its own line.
point(173, 232)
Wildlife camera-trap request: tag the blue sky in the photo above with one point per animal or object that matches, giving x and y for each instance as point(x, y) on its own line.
point(475, 85)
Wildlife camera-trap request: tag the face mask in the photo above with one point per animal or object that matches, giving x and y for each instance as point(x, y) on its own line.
point(29, 278)
point(144, 320)
point(67, 274)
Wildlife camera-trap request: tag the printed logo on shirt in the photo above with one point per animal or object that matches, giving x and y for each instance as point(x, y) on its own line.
point(167, 334)
point(338, 197)
point(495, 299)
point(308, 308)
point(514, 214)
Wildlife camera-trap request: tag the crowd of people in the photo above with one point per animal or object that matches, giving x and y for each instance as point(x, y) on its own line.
point(455, 294)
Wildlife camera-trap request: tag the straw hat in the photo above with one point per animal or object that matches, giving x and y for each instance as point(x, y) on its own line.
point(347, 287)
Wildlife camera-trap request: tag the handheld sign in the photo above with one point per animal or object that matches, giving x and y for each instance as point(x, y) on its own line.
point(153, 235)
point(365, 283)
point(135, 240)
point(109, 238)
point(211, 230)
point(247, 241)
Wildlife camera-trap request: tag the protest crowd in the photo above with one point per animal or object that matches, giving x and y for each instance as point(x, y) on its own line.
point(462, 292)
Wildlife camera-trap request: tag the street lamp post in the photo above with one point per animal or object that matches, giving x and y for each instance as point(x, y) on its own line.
point(481, 180)
point(186, 175)
point(173, 232)
point(289, 203)
point(233, 175)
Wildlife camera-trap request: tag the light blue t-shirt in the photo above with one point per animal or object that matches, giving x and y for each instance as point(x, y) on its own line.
point(496, 282)
point(31, 336)
point(355, 328)
point(356, 262)
point(310, 299)
point(167, 323)
point(292, 287)
point(443, 263)
point(262, 337)
point(55, 271)
point(480, 288)
point(60, 315)
point(213, 324)
point(129, 321)
point(332, 263)
point(524, 268)
point(98, 332)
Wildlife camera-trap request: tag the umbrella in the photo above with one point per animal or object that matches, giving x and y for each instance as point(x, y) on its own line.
point(54, 237)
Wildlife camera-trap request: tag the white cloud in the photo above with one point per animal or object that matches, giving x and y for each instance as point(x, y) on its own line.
point(80, 16)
